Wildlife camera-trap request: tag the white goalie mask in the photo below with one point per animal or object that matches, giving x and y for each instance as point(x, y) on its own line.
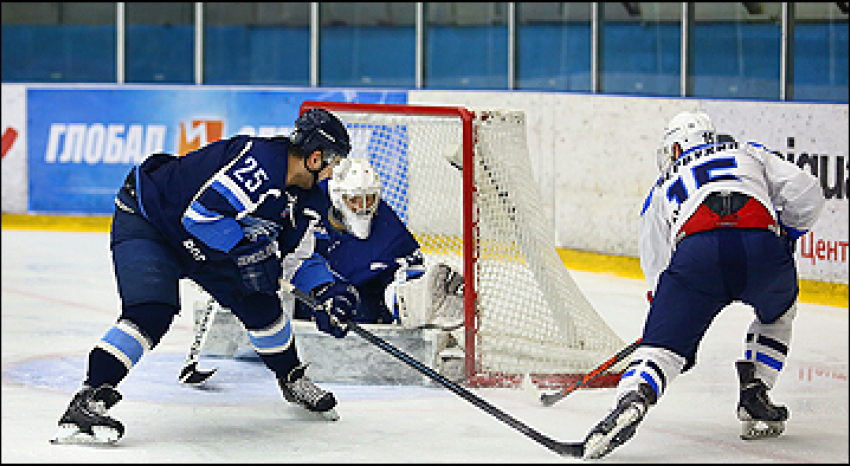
point(687, 129)
point(355, 191)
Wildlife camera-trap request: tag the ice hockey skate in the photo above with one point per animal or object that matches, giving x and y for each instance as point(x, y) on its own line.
point(298, 389)
point(620, 425)
point(85, 420)
point(759, 417)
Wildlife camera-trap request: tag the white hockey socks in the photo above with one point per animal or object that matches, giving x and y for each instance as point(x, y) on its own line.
point(767, 346)
point(656, 367)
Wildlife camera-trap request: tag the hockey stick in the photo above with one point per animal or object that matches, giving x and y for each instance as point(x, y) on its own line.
point(574, 449)
point(190, 374)
point(548, 399)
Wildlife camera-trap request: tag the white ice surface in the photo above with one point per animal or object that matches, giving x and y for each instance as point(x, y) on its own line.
point(58, 298)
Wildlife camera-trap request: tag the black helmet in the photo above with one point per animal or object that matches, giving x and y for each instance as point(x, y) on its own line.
point(318, 129)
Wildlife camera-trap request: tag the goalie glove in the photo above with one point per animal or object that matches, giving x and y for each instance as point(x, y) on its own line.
point(256, 255)
point(433, 300)
point(339, 306)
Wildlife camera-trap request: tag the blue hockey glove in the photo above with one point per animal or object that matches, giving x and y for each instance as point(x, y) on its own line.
point(790, 235)
point(340, 302)
point(256, 255)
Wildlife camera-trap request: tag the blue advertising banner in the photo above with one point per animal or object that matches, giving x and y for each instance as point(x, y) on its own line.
point(82, 141)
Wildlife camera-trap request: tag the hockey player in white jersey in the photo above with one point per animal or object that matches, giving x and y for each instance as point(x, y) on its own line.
point(718, 226)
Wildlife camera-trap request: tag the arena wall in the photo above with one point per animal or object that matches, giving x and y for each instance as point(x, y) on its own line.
point(66, 149)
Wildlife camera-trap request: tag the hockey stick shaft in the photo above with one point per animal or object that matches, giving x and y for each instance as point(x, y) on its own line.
point(562, 448)
point(189, 373)
point(549, 399)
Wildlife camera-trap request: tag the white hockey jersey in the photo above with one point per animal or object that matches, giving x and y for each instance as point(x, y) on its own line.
point(792, 196)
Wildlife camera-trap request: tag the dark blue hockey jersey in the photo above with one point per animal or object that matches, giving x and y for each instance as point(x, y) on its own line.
point(369, 264)
point(195, 200)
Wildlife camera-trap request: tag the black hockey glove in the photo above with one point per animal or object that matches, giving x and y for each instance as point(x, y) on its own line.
point(256, 255)
point(339, 305)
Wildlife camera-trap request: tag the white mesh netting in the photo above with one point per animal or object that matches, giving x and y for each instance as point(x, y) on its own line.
point(530, 315)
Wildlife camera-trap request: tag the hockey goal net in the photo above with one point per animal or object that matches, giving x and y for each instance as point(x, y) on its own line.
point(461, 181)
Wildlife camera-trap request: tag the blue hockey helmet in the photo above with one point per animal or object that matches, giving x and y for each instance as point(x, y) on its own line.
point(319, 129)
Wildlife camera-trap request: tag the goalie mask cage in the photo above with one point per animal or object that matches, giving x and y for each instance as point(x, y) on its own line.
point(461, 181)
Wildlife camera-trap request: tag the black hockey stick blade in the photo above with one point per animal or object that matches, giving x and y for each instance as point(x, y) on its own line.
point(548, 399)
point(190, 374)
point(562, 448)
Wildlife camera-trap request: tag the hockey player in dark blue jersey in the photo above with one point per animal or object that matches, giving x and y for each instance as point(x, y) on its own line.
point(221, 216)
point(365, 241)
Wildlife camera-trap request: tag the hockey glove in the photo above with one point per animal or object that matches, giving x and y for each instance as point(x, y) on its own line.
point(256, 255)
point(790, 235)
point(339, 305)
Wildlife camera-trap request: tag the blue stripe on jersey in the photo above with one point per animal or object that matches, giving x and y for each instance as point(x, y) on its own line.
point(413, 272)
point(215, 230)
point(321, 234)
point(646, 202)
point(228, 194)
point(139, 193)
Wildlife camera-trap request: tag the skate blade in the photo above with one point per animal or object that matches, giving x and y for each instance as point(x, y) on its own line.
point(598, 446)
point(69, 434)
point(756, 430)
point(329, 415)
point(306, 414)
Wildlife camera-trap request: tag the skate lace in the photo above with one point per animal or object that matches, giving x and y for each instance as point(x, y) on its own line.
point(305, 391)
point(93, 408)
point(98, 407)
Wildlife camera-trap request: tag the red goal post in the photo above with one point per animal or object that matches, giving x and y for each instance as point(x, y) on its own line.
point(444, 165)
